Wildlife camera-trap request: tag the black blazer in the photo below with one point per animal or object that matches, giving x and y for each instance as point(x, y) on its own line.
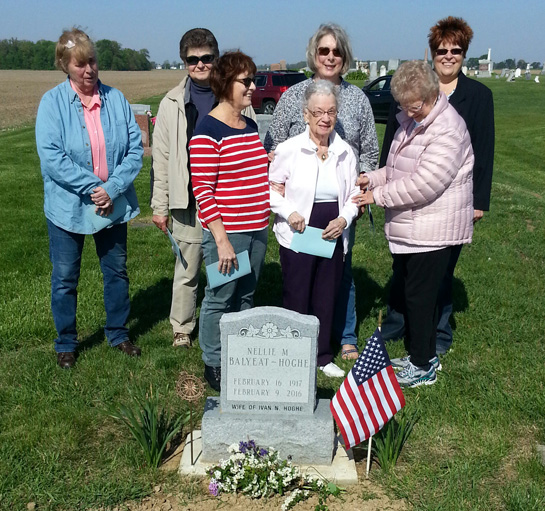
point(473, 101)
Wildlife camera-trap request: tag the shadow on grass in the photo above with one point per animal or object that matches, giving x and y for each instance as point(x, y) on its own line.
point(150, 306)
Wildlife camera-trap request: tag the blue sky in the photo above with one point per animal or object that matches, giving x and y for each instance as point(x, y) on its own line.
point(280, 29)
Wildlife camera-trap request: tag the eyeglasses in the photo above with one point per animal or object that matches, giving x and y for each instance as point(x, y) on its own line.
point(320, 113)
point(205, 59)
point(324, 51)
point(412, 109)
point(453, 51)
point(246, 81)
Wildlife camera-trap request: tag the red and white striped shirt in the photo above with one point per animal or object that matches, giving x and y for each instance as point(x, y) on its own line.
point(229, 175)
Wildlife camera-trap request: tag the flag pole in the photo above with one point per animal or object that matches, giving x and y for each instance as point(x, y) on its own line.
point(371, 437)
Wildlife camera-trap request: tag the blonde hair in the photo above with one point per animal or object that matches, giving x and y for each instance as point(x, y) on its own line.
point(414, 80)
point(73, 43)
point(342, 40)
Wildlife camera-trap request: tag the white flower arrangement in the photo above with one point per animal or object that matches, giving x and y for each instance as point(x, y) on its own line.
point(258, 472)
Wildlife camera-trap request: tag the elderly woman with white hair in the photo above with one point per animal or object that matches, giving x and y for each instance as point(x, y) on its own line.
point(329, 55)
point(426, 190)
point(318, 170)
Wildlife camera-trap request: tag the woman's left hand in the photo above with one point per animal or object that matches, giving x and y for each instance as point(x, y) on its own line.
point(105, 210)
point(334, 229)
point(100, 197)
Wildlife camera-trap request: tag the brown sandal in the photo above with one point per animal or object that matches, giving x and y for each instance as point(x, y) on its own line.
point(349, 352)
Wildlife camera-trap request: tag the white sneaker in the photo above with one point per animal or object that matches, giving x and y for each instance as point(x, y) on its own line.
point(332, 370)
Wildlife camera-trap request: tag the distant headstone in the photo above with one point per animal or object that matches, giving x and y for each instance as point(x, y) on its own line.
point(372, 70)
point(527, 75)
point(141, 115)
point(486, 66)
point(382, 70)
point(511, 76)
point(393, 64)
point(503, 72)
point(518, 72)
point(464, 70)
point(536, 79)
point(268, 388)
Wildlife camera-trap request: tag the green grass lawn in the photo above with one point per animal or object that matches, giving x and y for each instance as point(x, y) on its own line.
point(474, 447)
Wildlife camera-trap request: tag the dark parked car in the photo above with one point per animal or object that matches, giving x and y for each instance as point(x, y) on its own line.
point(380, 97)
point(270, 85)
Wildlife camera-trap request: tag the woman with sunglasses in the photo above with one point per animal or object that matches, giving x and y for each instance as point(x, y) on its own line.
point(231, 186)
point(426, 190)
point(329, 55)
point(181, 110)
point(449, 41)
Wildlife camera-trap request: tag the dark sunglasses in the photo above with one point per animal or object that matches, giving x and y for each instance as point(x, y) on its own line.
point(324, 51)
point(205, 59)
point(453, 51)
point(246, 81)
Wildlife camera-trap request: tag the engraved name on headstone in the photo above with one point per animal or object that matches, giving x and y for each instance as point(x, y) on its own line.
point(269, 363)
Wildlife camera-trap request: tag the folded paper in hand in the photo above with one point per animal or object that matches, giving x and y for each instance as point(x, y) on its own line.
point(121, 206)
point(216, 278)
point(310, 241)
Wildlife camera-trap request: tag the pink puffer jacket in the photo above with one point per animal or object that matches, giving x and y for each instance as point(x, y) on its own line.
point(426, 185)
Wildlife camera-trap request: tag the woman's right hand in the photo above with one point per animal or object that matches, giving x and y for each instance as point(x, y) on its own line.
point(362, 181)
point(227, 257)
point(296, 222)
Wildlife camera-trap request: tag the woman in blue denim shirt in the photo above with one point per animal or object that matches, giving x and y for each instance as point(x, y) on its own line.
point(90, 151)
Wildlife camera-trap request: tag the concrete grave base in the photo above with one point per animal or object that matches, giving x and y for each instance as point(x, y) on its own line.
point(341, 471)
point(307, 439)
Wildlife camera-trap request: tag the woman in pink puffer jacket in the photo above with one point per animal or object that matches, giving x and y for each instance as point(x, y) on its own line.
point(427, 192)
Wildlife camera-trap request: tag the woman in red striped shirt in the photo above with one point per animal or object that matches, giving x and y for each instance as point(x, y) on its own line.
point(230, 184)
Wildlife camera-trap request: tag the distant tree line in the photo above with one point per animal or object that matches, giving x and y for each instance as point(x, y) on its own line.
point(17, 54)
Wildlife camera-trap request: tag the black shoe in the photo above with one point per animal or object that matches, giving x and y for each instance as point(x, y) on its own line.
point(213, 376)
point(129, 348)
point(66, 359)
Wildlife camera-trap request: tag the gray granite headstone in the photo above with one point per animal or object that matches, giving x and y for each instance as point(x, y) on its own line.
point(268, 388)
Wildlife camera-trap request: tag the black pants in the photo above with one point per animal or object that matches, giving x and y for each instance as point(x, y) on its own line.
point(311, 283)
point(416, 296)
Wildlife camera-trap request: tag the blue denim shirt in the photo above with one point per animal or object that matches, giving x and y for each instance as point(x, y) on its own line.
point(65, 155)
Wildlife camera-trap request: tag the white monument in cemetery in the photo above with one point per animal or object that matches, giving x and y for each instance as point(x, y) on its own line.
point(393, 64)
point(361, 65)
point(372, 70)
point(518, 72)
point(486, 66)
point(382, 70)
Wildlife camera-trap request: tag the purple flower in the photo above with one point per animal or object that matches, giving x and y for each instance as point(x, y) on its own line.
point(263, 452)
point(242, 447)
point(251, 444)
point(213, 488)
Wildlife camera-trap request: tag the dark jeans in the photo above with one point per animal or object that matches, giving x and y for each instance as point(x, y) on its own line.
point(393, 327)
point(65, 249)
point(311, 284)
point(420, 279)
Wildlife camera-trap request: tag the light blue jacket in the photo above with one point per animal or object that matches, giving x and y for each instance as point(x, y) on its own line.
point(65, 155)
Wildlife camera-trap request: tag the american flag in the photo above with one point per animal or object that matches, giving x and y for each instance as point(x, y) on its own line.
point(369, 396)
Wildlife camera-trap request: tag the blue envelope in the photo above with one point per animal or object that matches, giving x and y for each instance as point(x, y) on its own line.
point(216, 278)
point(121, 206)
point(176, 249)
point(310, 242)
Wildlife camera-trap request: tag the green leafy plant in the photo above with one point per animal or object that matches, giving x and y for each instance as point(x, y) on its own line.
point(257, 472)
point(151, 425)
point(389, 442)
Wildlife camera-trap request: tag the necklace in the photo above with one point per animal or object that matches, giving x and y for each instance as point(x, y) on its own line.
point(324, 156)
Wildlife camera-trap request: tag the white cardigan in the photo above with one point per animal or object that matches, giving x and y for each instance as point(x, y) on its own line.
point(296, 166)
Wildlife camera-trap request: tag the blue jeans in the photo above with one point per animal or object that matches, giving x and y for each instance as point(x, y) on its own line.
point(234, 296)
point(344, 321)
point(65, 249)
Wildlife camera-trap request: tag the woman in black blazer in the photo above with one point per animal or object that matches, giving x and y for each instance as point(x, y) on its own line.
point(449, 40)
